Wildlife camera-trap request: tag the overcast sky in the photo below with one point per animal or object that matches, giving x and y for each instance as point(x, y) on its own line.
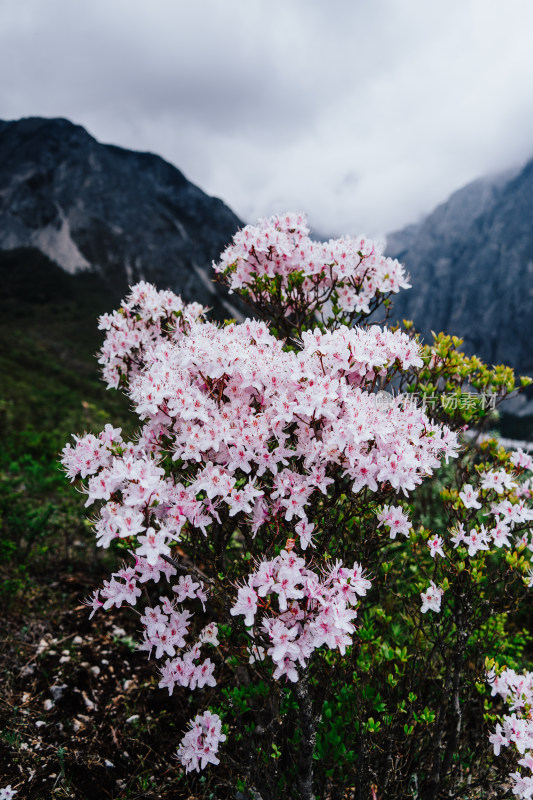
point(363, 113)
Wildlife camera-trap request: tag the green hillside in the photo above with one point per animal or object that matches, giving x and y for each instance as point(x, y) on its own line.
point(49, 389)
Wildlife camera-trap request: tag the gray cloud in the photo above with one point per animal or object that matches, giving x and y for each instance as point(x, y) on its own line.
point(364, 114)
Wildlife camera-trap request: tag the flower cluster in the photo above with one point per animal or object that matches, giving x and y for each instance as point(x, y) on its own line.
point(517, 729)
point(395, 519)
point(511, 514)
point(142, 318)
point(431, 598)
point(278, 255)
point(90, 452)
point(165, 626)
point(307, 613)
point(501, 500)
point(199, 746)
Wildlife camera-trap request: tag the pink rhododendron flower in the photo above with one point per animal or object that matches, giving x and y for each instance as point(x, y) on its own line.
point(469, 497)
point(431, 598)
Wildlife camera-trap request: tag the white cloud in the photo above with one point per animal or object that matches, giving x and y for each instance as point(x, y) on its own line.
point(364, 114)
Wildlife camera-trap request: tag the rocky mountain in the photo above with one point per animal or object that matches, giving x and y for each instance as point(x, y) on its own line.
point(123, 214)
point(471, 268)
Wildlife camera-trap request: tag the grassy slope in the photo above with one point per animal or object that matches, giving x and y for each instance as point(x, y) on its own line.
point(48, 341)
point(49, 389)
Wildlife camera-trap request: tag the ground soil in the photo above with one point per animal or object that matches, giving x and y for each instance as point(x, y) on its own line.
point(81, 715)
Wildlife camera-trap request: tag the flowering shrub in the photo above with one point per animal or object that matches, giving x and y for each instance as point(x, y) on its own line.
point(266, 490)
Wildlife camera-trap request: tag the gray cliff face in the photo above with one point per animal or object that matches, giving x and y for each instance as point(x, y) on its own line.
point(471, 268)
point(127, 215)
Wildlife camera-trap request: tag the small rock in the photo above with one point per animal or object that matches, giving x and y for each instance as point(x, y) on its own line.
point(40, 723)
point(95, 671)
point(77, 640)
point(57, 691)
point(88, 702)
point(48, 704)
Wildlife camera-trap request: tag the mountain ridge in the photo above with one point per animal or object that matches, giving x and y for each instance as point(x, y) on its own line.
point(130, 215)
point(125, 214)
point(471, 268)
